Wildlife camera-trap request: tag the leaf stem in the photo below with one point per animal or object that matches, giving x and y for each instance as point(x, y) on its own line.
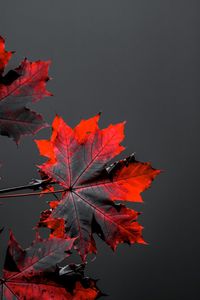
point(34, 185)
point(32, 194)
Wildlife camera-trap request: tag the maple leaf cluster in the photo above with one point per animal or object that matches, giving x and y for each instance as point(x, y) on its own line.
point(23, 85)
point(33, 273)
point(93, 191)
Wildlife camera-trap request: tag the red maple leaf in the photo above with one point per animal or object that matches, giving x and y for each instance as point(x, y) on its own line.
point(18, 87)
point(33, 273)
point(78, 161)
point(4, 55)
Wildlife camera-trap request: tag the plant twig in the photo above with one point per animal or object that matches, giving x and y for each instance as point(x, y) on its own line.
point(31, 194)
point(34, 185)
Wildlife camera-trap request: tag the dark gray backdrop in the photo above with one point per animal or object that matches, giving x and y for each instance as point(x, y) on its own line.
point(136, 61)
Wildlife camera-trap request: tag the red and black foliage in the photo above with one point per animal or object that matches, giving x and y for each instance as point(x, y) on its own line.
point(78, 160)
point(18, 87)
point(34, 273)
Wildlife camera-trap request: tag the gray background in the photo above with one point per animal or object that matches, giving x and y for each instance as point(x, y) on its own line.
point(136, 61)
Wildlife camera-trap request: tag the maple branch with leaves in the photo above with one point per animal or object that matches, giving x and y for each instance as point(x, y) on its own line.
point(89, 201)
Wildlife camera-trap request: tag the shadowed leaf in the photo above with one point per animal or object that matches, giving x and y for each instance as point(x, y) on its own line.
point(18, 87)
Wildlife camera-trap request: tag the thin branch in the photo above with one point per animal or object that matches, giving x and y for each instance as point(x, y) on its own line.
point(32, 194)
point(34, 185)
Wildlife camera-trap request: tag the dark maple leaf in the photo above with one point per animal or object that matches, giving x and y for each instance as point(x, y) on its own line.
point(78, 161)
point(33, 273)
point(18, 87)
